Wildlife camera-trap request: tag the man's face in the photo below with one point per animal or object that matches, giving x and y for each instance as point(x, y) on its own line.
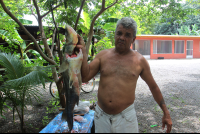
point(123, 38)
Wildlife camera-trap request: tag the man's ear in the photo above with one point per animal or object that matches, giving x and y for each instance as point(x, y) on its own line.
point(133, 39)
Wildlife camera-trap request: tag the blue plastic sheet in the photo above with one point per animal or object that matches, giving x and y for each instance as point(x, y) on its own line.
point(59, 126)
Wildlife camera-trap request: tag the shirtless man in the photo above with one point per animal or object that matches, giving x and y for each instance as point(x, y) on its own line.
point(119, 69)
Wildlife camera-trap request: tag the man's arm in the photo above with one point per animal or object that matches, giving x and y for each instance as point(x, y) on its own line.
point(148, 78)
point(88, 71)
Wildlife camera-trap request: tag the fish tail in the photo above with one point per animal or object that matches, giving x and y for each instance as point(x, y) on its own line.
point(69, 118)
point(77, 101)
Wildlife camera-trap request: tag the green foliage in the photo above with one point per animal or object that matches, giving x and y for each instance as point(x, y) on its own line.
point(2, 105)
point(11, 39)
point(185, 30)
point(8, 27)
point(169, 25)
point(53, 105)
point(45, 120)
point(25, 22)
point(52, 108)
point(166, 28)
point(189, 27)
point(5, 35)
point(86, 21)
point(21, 84)
point(104, 43)
point(105, 32)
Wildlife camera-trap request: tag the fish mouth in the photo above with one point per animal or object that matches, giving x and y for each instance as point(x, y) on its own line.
point(75, 53)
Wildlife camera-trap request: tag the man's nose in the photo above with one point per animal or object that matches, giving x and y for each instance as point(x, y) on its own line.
point(122, 37)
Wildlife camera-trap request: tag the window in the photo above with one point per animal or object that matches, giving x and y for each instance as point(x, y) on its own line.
point(142, 46)
point(179, 46)
point(162, 46)
point(189, 48)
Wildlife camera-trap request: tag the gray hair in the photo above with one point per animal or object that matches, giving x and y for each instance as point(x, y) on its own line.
point(128, 22)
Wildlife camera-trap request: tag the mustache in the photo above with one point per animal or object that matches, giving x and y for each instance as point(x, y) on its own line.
point(121, 41)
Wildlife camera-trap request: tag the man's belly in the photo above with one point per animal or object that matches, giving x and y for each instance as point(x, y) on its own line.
point(114, 97)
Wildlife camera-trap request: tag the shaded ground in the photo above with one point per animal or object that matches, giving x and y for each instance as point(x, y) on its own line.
point(179, 81)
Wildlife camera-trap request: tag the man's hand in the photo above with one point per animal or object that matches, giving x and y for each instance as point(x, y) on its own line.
point(81, 44)
point(167, 120)
point(80, 41)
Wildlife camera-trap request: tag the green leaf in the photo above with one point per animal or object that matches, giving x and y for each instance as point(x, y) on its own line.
point(23, 45)
point(113, 20)
point(25, 22)
point(86, 19)
point(97, 37)
point(3, 116)
point(34, 52)
point(154, 125)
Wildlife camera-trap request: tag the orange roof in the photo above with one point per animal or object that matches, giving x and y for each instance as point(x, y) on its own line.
point(168, 36)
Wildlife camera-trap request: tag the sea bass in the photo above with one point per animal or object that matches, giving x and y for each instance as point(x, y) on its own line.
point(71, 72)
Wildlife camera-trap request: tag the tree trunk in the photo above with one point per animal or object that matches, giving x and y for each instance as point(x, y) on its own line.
point(62, 96)
point(22, 112)
point(92, 49)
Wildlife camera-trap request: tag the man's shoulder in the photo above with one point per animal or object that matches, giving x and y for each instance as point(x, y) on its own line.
point(137, 54)
point(105, 51)
point(139, 57)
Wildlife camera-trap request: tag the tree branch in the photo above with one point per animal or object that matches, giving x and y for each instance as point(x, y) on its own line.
point(47, 49)
point(50, 11)
point(93, 21)
point(26, 31)
point(31, 8)
point(37, 9)
point(53, 38)
point(103, 5)
point(77, 19)
point(112, 4)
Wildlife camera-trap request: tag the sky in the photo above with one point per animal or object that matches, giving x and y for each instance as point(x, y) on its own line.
point(31, 18)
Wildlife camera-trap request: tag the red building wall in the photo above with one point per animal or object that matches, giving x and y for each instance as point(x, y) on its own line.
point(195, 39)
point(196, 48)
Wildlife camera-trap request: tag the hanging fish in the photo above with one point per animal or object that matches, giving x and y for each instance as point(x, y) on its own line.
point(71, 72)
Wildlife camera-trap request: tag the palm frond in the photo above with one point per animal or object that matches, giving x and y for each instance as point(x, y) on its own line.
point(34, 93)
point(14, 66)
point(33, 78)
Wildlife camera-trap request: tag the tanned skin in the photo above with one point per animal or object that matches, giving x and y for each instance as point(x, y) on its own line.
point(120, 68)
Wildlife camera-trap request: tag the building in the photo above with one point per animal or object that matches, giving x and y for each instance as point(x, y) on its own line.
point(33, 30)
point(167, 46)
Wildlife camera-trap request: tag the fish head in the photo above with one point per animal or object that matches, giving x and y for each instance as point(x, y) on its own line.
point(71, 40)
point(71, 55)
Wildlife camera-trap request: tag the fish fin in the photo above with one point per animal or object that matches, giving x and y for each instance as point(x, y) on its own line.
point(71, 82)
point(63, 92)
point(78, 101)
point(79, 80)
point(63, 67)
point(64, 116)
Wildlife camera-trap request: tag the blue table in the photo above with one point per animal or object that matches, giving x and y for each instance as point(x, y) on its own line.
point(59, 126)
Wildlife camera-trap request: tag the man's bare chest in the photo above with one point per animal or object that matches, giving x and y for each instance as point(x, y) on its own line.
point(123, 68)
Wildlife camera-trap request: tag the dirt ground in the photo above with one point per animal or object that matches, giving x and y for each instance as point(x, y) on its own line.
point(179, 82)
